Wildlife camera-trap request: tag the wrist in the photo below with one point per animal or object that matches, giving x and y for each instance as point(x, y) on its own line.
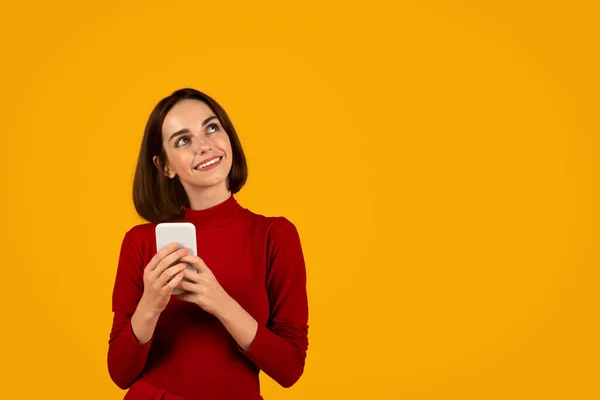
point(146, 311)
point(143, 322)
point(227, 309)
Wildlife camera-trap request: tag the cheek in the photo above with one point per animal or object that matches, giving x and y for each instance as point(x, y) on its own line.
point(179, 160)
point(225, 146)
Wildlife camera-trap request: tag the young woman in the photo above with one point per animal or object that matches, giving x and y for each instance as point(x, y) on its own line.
point(246, 308)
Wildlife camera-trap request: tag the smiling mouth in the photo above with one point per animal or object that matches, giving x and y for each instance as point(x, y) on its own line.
point(209, 163)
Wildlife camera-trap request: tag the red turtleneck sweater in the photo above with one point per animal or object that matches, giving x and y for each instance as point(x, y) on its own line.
point(258, 260)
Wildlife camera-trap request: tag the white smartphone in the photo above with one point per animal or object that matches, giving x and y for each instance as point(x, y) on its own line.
point(183, 233)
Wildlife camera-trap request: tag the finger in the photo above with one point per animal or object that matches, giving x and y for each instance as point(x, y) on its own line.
point(191, 275)
point(161, 254)
point(196, 262)
point(174, 282)
point(190, 287)
point(186, 297)
point(167, 274)
point(168, 261)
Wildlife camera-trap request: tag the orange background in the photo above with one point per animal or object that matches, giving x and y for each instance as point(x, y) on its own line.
point(440, 160)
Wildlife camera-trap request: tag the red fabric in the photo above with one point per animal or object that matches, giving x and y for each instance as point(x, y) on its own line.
point(259, 261)
point(144, 390)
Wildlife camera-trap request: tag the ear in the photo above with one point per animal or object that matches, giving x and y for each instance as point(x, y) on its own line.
point(167, 171)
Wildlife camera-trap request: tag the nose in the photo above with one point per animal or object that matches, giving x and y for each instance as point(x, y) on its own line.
point(202, 144)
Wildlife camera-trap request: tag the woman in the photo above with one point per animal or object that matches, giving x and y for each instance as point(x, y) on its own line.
point(244, 310)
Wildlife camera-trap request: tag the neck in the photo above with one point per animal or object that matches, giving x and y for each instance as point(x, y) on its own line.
point(204, 198)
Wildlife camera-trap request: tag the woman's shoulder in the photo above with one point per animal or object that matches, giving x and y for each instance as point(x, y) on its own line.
point(267, 219)
point(275, 225)
point(140, 232)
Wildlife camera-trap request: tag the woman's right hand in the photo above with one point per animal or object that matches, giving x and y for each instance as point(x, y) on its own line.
point(157, 287)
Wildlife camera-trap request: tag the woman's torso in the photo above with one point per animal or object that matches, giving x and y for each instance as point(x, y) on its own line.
point(192, 355)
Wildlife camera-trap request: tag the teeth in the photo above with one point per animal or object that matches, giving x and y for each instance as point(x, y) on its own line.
point(211, 162)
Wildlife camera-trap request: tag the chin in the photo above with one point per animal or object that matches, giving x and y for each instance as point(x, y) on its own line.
point(213, 183)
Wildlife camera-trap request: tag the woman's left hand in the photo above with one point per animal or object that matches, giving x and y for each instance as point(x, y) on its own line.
point(202, 288)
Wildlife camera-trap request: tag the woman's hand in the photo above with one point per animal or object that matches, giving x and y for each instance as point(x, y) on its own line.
point(160, 280)
point(202, 288)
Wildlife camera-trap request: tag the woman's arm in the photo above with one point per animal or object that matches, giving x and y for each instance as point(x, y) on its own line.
point(240, 325)
point(143, 322)
point(279, 349)
point(127, 353)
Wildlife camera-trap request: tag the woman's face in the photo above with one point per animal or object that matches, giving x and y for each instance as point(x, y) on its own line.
point(197, 147)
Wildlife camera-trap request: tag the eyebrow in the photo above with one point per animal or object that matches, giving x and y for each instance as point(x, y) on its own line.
point(186, 130)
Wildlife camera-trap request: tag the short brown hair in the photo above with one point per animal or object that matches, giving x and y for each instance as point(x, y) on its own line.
point(158, 198)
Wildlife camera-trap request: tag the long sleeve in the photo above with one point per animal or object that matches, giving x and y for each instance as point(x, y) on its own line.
point(279, 348)
point(126, 356)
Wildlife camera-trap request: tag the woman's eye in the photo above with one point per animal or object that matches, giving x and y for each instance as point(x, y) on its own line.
point(212, 128)
point(182, 141)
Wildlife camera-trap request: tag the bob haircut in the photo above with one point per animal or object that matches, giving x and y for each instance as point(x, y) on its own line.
point(156, 197)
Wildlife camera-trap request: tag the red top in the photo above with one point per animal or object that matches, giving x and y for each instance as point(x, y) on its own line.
point(259, 262)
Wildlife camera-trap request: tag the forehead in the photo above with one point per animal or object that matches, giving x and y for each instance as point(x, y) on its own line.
point(188, 113)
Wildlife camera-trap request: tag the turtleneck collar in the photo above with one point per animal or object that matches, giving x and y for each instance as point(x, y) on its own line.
point(218, 215)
